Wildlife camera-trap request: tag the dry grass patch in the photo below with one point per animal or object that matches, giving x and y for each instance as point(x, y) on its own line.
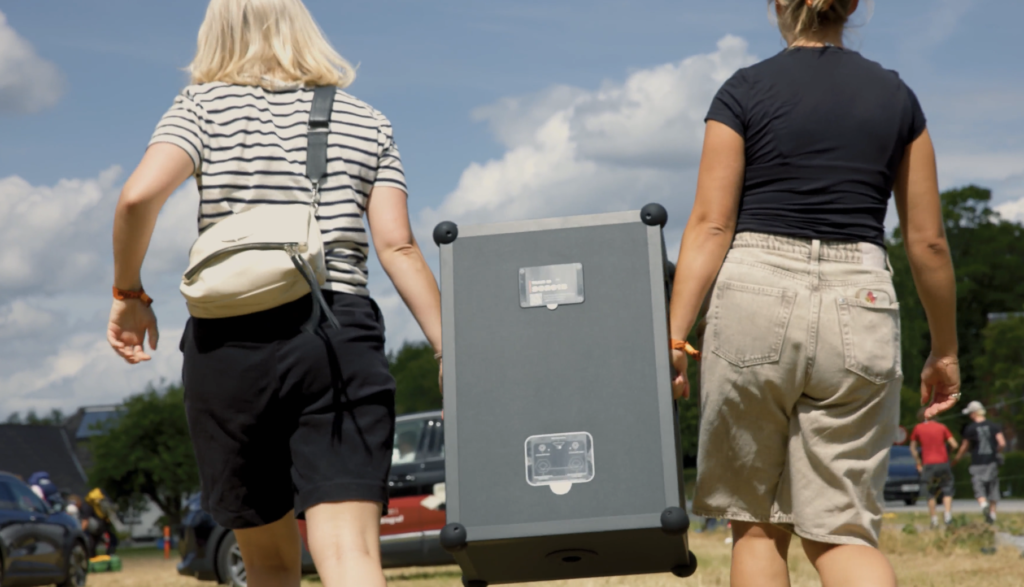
point(922, 558)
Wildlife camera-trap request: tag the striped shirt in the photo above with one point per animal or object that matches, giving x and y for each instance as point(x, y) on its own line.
point(248, 145)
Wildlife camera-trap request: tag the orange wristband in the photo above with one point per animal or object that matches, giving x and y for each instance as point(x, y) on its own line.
point(682, 345)
point(127, 294)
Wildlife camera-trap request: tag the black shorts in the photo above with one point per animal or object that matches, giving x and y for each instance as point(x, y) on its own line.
point(283, 419)
point(937, 481)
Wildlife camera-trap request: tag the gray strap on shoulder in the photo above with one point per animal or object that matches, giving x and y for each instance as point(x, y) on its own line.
point(319, 128)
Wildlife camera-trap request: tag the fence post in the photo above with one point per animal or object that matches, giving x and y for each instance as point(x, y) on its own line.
point(167, 542)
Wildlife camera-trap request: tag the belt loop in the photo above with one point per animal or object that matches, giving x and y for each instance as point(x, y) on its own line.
point(815, 265)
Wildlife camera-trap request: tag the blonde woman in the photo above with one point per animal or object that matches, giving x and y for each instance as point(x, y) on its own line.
point(801, 374)
point(284, 422)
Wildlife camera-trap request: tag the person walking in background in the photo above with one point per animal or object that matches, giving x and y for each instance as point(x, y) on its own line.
point(288, 416)
point(986, 443)
point(928, 445)
point(96, 517)
point(801, 375)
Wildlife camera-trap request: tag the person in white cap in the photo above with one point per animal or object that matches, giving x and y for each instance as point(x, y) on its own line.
point(985, 441)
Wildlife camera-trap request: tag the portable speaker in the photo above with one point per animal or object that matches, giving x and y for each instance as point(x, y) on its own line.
point(561, 434)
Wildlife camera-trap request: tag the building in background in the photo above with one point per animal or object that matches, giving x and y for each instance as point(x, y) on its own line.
point(27, 448)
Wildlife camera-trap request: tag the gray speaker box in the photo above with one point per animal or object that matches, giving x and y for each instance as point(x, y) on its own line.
point(562, 440)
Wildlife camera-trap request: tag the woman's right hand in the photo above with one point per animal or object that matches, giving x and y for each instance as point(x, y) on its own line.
point(940, 384)
point(130, 321)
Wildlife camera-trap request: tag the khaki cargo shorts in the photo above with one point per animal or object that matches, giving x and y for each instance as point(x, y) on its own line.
point(800, 386)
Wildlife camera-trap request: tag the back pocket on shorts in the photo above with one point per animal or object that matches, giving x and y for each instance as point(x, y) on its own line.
point(749, 322)
point(871, 339)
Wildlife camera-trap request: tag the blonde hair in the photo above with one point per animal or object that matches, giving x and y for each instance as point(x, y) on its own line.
point(266, 43)
point(800, 17)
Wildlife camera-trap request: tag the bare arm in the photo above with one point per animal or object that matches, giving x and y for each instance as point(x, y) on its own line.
point(916, 454)
point(708, 234)
point(388, 215)
point(963, 449)
point(924, 235)
point(162, 170)
point(1001, 441)
point(953, 444)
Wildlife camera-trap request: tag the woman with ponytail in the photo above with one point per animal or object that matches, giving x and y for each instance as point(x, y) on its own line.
point(801, 377)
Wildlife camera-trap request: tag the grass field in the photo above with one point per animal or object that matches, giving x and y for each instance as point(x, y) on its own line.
point(922, 558)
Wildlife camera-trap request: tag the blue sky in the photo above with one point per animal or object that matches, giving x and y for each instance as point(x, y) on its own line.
point(518, 108)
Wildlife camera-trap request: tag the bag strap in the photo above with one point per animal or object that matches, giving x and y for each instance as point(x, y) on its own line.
point(318, 130)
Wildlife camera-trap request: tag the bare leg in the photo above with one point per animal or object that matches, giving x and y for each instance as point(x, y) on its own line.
point(850, 565)
point(931, 507)
point(947, 502)
point(759, 555)
point(272, 553)
point(344, 539)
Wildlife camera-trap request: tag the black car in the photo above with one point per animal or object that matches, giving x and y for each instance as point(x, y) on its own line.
point(409, 529)
point(903, 482)
point(38, 546)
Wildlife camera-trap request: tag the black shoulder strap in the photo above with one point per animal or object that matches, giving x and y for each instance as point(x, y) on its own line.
point(319, 128)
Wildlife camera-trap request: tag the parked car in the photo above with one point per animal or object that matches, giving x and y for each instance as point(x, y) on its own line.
point(409, 529)
point(903, 482)
point(38, 545)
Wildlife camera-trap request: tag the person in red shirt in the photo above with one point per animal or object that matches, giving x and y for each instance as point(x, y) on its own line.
point(933, 463)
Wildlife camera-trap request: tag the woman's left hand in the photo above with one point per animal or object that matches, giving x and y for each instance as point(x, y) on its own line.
point(440, 376)
point(680, 385)
point(130, 320)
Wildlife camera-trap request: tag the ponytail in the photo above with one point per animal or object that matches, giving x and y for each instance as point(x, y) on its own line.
point(801, 17)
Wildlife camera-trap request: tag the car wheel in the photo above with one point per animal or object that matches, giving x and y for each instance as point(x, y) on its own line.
point(230, 567)
point(78, 567)
point(910, 500)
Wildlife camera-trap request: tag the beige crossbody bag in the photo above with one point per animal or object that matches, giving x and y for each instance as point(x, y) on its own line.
point(270, 254)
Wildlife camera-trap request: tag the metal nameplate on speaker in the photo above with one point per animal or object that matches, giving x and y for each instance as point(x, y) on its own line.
point(559, 460)
point(551, 285)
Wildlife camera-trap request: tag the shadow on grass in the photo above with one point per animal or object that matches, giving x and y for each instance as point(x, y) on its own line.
point(410, 576)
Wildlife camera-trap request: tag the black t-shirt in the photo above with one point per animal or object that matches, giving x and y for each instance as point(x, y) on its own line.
point(825, 131)
point(982, 437)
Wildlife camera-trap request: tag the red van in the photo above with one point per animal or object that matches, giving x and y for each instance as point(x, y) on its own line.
point(409, 530)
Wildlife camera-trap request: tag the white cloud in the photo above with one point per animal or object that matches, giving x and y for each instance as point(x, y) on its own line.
point(56, 238)
point(28, 83)
point(55, 275)
point(21, 318)
point(83, 370)
point(578, 151)
point(50, 235)
point(1012, 210)
point(574, 151)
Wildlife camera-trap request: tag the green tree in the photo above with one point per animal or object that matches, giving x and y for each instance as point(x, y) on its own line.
point(147, 451)
point(54, 418)
point(1000, 370)
point(415, 373)
point(988, 254)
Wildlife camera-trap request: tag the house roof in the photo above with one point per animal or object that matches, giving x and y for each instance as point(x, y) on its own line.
point(28, 448)
point(92, 421)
